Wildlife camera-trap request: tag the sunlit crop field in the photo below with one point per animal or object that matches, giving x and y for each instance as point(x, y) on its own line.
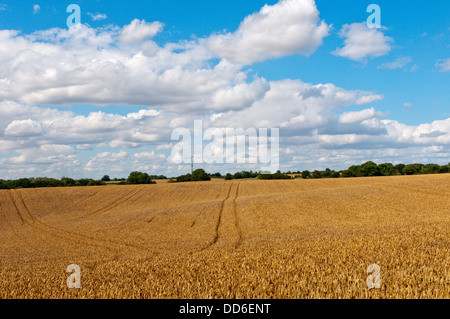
point(230, 239)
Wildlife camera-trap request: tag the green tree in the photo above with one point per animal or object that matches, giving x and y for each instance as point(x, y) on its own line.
point(157, 177)
point(83, 181)
point(200, 175)
point(348, 173)
point(45, 182)
point(238, 175)
point(95, 183)
point(306, 174)
point(21, 183)
point(228, 177)
point(277, 175)
point(412, 169)
point(399, 168)
point(184, 178)
point(444, 169)
point(430, 169)
point(370, 169)
point(326, 173)
point(316, 174)
point(4, 184)
point(106, 178)
point(139, 178)
point(246, 174)
point(335, 175)
point(387, 169)
point(66, 181)
point(355, 171)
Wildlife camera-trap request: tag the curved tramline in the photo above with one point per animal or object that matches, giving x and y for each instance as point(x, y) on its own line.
point(236, 218)
point(132, 194)
point(60, 233)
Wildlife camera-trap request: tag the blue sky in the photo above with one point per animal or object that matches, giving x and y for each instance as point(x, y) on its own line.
point(387, 89)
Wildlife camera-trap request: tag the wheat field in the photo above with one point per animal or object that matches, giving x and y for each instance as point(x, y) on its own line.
point(229, 239)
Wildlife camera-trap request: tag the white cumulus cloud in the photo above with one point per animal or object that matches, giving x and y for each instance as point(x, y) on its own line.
point(23, 128)
point(362, 42)
point(139, 30)
point(286, 28)
point(359, 116)
point(369, 99)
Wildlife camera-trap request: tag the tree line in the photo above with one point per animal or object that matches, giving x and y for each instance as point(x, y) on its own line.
point(387, 169)
point(133, 178)
point(48, 182)
point(196, 176)
point(367, 169)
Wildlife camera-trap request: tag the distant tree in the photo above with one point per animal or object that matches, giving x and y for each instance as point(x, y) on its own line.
point(412, 169)
point(370, 169)
point(399, 168)
point(95, 183)
point(139, 178)
point(66, 181)
point(246, 174)
point(444, 169)
point(106, 178)
point(430, 169)
point(45, 182)
point(354, 171)
point(21, 183)
point(228, 177)
point(348, 173)
point(184, 178)
point(335, 175)
point(316, 174)
point(387, 169)
point(197, 175)
point(306, 174)
point(82, 181)
point(4, 184)
point(157, 177)
point(238, 175)
point(277, 175)
point(326, 173)
point(200, 175)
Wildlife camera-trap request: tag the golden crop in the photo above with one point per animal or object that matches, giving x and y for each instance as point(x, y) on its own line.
point(229, 239)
